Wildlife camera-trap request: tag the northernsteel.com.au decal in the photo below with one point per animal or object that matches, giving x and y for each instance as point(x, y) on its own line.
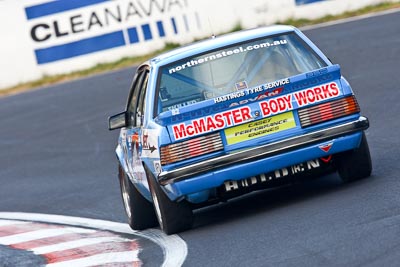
point(67, 29)
point(227, 53)
point(265, 108)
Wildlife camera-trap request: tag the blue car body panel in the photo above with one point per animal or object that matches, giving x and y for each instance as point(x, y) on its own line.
point(139, 147)
point(215, 179)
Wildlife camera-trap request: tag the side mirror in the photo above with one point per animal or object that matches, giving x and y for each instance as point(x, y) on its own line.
point(117, 121)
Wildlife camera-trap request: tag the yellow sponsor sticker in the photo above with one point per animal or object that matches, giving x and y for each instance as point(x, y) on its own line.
point(260, 128)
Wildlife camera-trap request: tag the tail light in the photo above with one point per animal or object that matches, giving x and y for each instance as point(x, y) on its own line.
point(328, 111)
point(191, 148)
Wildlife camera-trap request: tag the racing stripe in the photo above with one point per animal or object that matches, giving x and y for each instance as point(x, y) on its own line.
point(70, 246)
point(20, 228)
point(58, 239)
point(120, 264)
point(129, 256)
point(28, 236)
point(91, 250)
point(76, 244)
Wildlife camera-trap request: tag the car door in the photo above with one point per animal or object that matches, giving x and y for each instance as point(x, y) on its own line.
point(134, 129)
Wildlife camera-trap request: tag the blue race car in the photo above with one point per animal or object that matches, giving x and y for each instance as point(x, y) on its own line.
point(229, 115)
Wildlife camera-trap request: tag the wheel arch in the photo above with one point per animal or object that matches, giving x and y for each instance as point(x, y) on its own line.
point(141, 187)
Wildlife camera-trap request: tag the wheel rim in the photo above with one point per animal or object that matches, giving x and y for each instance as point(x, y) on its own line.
point(126, 199)
point(157, 208)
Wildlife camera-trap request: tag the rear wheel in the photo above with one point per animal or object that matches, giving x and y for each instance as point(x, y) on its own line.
point(355, 164)
point(139, 210)
point(173, 217)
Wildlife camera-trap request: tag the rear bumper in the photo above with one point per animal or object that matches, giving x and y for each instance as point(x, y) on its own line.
point(265, 151)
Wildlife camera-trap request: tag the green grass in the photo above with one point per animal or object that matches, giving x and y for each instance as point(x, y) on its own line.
point(366, 10)
point(131, 61)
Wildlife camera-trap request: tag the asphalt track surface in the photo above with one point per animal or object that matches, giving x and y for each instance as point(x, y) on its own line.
point(57, 157)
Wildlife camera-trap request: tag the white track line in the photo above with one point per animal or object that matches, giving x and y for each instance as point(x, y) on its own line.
point(44, 233)
point(76, 244)
point(9, 222)
point(99, 259)
point(174, 248)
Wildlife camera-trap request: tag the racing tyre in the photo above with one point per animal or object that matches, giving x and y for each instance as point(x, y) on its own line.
point(355, 164)
point(139, 210)
point(173, 217)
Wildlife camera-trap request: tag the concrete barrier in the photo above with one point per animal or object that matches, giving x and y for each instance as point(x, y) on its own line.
point(43, 37)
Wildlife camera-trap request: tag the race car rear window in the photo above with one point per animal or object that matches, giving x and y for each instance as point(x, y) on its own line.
point(234, 68)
